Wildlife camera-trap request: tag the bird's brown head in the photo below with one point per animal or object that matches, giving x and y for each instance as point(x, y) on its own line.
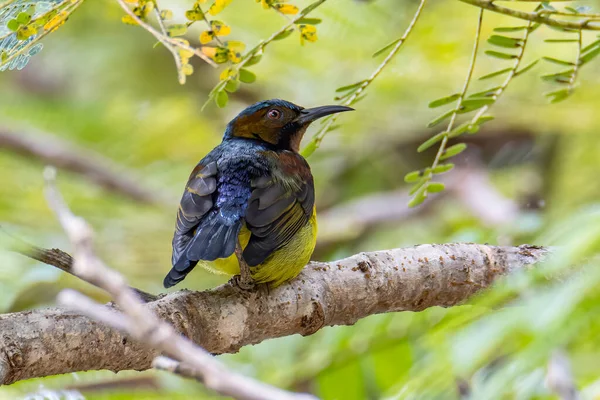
point(277, 122)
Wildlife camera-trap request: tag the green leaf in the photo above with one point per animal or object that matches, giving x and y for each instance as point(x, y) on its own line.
point(440, 169)
point(13, 25)
point(590, 55)
point(571, 10)
point(413, 176)
point(453, 150)
point(590, 46)
point(497, 54)
point(473, 129)
point(221, 98)
point(419, 197)
point(483, 119)
point(420, 183)
point(561, 40)
point(486, 93)
point(561, 29)
point(505, 41)
point(440, 118)
point(471, 104)
point(232, 85)
point(546, 6)
point(310, 7)
point(430, 142)
point(23, 18)
point(309, 149)
point(444, 100)
point(558, 95)
point(348, 87)
point(166, 15)
point(309, 21)
point(527, 68)
point(559, 76)
point(359, 98)
point(557, 61)
point(254, 60)
point(459, 130)
point(497, 73)
point(386, 48)
point(510, 28)
point(283, 34)
point(247, 76)
point(435, 187)
point(177, 30)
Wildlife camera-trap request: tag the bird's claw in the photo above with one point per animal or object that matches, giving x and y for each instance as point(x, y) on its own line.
point(243, 284)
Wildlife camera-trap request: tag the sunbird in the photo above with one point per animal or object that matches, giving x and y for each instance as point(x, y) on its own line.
point(253, 192)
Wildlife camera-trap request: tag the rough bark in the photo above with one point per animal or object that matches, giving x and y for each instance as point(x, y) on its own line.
point(54, 341)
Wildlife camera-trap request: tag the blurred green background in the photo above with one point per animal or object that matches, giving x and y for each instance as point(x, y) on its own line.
point(530, 176)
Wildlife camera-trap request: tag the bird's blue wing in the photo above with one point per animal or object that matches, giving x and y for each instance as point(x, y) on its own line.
point(209, 218)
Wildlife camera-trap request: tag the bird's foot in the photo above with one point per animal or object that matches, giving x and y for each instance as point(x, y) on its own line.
point(243, 284)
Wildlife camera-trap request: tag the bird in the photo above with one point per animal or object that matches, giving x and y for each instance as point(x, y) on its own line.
point(248, 208)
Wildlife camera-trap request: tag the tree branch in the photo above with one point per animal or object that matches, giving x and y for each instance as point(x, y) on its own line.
point(540, 17)
point(224, 319)
point(63, 155)
point(138, 321)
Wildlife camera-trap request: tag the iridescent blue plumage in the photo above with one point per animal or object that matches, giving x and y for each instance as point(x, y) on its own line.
point(253, 185)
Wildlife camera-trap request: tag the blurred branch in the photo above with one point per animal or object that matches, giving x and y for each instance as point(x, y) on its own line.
point(140, 322)
point(559, 377)
point(224, 319)
point(353, 96)
point(63, 261)
point(64, 155)
point(351, 220)
point(469, 185)
point(541, 16)
point(173, 45)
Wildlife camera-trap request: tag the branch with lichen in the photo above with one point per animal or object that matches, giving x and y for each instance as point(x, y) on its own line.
point(224, 319)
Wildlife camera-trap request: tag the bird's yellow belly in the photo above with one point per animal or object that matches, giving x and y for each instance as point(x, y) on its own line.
point(282, 265)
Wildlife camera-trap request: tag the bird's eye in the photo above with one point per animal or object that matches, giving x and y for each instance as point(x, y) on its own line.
point(274, 114)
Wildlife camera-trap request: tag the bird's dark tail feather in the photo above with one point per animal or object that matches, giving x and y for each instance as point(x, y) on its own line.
point(214, 239)
point(178, 273)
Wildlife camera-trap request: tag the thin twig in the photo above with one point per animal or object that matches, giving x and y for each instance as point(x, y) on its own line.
point(462, 94)
point(142, 324)
point(260, 47)
point(68, 10)
point(170, 43)
point(318, 137)
point(578, 63)
point(491, 5)
point(512, 74)
point(63, 261)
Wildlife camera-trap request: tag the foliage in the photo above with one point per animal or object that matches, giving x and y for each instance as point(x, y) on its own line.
point(23, 23)
point(213, 46)
point(99, 85)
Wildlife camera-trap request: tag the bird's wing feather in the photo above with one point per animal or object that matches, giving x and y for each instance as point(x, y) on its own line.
point(203, 231)
point(277, 210)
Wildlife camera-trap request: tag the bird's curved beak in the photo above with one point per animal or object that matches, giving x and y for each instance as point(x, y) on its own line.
point(309, 115)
